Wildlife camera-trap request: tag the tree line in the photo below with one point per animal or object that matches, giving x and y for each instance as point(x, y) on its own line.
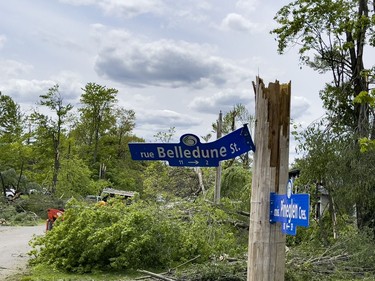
point(64, 152)
point(76, 152)
point(80, 153)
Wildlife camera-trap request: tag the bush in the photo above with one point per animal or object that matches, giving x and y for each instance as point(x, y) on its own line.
point(141, 235)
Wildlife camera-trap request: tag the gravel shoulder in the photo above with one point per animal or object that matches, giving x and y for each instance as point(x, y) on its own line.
point(14, 245)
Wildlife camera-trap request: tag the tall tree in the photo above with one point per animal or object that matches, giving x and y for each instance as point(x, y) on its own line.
point(165, 137)
point(52, 127)
point(236, 117)
point(11, 127)
point(116, 164)
point(333, 37)
point(96, 113)
point(10, 119)
point(125, 122)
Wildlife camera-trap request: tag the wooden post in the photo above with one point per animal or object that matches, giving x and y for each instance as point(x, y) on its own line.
point(266, 259)
point(219, 133)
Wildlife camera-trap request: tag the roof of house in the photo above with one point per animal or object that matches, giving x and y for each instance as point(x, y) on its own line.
point(118, 192)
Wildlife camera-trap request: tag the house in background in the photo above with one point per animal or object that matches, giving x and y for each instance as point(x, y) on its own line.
point(319, 197)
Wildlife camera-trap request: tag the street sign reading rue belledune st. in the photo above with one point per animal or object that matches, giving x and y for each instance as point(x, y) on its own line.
point(192, 153)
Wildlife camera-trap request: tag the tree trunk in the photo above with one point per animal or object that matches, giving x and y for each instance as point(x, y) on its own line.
point(332, 211)
point(56, 168)
point(21, 173)
point(96, 145)
point(3, 184)
point(56, 146)
point(199, 173)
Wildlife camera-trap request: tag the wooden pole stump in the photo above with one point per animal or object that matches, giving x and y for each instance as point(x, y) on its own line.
point(266, 256)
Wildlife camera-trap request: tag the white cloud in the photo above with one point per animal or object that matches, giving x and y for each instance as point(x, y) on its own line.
point(59, 40)
point(70, 86)
point(178, 13)
point(300, 107)
point(122, 8)
point(238, 23)
point(27, 91)
point(224, 101)
point(79, 2)
point(131, 8)
point(167, 118)
point(3, 40)
point(247, 5)
point(12, 68)
point(139, 62)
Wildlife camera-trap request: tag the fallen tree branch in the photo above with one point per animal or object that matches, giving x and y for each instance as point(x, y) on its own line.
point(158, 276)
point(174, 268)
point(193, 259)
point(243, 213)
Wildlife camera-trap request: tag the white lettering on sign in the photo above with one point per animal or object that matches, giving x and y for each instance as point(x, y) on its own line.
point(234, 148)
point(290, 211)
point(302, 214)
point(178, 152)
point(147, 154)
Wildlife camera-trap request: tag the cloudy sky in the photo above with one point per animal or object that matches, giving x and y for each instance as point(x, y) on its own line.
point(175, 62)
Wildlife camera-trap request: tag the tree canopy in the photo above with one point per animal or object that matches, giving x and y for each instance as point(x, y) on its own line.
point(334, 37)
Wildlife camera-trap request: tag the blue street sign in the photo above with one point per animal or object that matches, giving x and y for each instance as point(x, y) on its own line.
point(191, 152)
point(291, 210)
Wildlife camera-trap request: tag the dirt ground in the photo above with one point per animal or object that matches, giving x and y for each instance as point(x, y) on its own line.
point(14, 247)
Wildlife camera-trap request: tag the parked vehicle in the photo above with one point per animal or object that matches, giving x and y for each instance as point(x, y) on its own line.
point(93, 198)
point(10, 193)
point(110, 193)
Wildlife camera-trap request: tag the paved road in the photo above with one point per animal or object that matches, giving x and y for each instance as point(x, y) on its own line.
point(14, 247)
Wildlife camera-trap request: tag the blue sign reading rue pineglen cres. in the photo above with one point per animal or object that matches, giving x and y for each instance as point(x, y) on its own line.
point(291, 210)
point(192, 153)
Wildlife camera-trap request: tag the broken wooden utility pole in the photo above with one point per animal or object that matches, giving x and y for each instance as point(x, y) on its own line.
point(266, 259)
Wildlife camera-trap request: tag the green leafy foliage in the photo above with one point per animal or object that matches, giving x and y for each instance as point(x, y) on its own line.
point(169, 182)
point(120, 236)
point(345, 173)
point(10, 119)
point(97, 115)
point(366, 97)
point(165, 137)
point(75, 180)
point(51, 128)
point(236, 185)
point(367, 145)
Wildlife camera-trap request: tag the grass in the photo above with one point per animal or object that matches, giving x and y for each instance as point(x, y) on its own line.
point(45, 273)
